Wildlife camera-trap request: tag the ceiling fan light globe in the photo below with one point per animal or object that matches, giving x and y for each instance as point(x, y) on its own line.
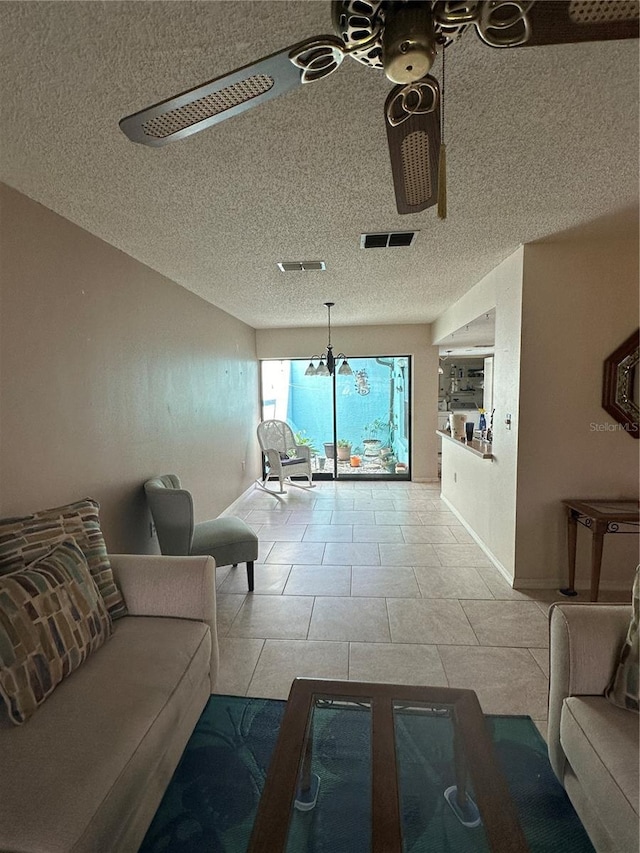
point(310, 371)
point(322, 370)
point(345, 369)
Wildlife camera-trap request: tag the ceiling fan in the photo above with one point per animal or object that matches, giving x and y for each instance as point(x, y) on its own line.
point(402, 38)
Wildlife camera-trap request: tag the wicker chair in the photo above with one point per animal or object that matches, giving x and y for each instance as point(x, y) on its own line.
point(284, 458)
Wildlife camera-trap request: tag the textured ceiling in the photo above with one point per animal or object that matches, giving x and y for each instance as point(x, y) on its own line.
point(539, 140)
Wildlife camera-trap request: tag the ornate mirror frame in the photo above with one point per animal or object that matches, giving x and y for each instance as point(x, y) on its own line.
point(620, 385)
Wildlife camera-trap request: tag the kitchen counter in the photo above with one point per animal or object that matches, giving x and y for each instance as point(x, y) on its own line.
point(476, 446)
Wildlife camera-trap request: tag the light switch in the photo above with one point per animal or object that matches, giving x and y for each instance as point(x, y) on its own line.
point(507, 421)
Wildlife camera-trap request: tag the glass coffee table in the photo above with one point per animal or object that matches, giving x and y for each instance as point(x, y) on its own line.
point(456, 799)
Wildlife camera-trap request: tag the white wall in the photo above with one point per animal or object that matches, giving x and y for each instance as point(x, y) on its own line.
point(580, 302)
point(475, 302)
point(483, 492)
point(365, 341)
point(562, 306)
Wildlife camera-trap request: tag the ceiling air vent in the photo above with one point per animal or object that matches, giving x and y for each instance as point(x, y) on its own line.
point(301, 266)
point(387, 240)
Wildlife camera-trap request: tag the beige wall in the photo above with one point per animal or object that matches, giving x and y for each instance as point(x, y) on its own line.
point(562, 307)
point(580, 302)
point(363, 341)
point(111, 373)
point(483, 492)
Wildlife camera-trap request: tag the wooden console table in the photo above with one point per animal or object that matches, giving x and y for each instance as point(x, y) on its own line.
point(600, 516)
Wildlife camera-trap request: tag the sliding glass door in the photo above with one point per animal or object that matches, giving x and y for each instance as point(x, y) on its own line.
point(356, 426)
point(305, 403)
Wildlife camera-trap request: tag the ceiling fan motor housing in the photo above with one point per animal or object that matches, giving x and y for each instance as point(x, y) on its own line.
point(408, 42)
point(397, 35)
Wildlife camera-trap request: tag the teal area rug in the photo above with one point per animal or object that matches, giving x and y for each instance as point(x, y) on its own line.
point(212, 799)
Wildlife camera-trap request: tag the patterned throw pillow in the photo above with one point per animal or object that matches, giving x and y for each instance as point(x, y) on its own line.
point(623, 689)
point(23, 540)
point(51, 618)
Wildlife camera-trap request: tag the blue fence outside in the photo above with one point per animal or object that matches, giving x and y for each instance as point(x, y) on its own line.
point(310, 410)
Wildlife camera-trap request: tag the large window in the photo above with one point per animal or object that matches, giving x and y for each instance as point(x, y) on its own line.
point(355, 426)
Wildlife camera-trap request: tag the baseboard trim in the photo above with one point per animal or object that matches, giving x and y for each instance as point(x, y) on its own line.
point(496, 562)
point(531, 583)
point(538, 583)
point(230, 509)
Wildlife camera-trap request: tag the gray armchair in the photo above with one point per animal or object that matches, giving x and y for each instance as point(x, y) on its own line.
point(228, 540)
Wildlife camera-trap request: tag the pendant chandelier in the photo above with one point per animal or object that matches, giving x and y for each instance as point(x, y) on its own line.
point(327, 361)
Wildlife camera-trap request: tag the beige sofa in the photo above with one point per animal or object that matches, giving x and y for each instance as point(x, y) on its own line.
point(593, 745)
point(88, 770)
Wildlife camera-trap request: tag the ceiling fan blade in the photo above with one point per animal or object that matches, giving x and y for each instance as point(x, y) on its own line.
point(412, 117)
point(566, 22)
point(224, 97)
point(527, 24)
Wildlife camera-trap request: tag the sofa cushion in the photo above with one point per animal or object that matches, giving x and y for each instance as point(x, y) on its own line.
point(51, 618)
point(623, 689)
point(88, 771)
point(25, 539)
point(601, 745)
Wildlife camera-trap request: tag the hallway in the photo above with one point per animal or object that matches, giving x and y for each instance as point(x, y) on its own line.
point(378, 581)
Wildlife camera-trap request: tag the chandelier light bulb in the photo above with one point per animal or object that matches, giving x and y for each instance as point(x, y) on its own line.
point(327, 364)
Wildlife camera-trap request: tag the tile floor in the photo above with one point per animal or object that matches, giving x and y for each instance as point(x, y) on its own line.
point(377, 581)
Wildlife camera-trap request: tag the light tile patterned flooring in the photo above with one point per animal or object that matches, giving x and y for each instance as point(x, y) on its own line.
point(377, 581)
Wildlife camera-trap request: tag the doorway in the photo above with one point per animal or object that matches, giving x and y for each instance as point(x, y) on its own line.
point(356, 426)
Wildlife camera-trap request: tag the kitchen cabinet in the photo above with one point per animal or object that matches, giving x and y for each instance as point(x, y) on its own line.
point(461, 385)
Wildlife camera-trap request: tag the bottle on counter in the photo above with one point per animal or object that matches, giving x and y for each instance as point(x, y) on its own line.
point(482, 425)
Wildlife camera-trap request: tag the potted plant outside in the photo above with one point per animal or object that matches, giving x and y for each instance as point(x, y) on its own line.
point(344, 450)
point(390, 462)
point(301, 439)
point(372, 443)
point(388, 458)
point(329, 450)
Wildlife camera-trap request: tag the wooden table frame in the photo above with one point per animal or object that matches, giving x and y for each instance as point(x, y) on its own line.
point(586, 513)
point(474, 754)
